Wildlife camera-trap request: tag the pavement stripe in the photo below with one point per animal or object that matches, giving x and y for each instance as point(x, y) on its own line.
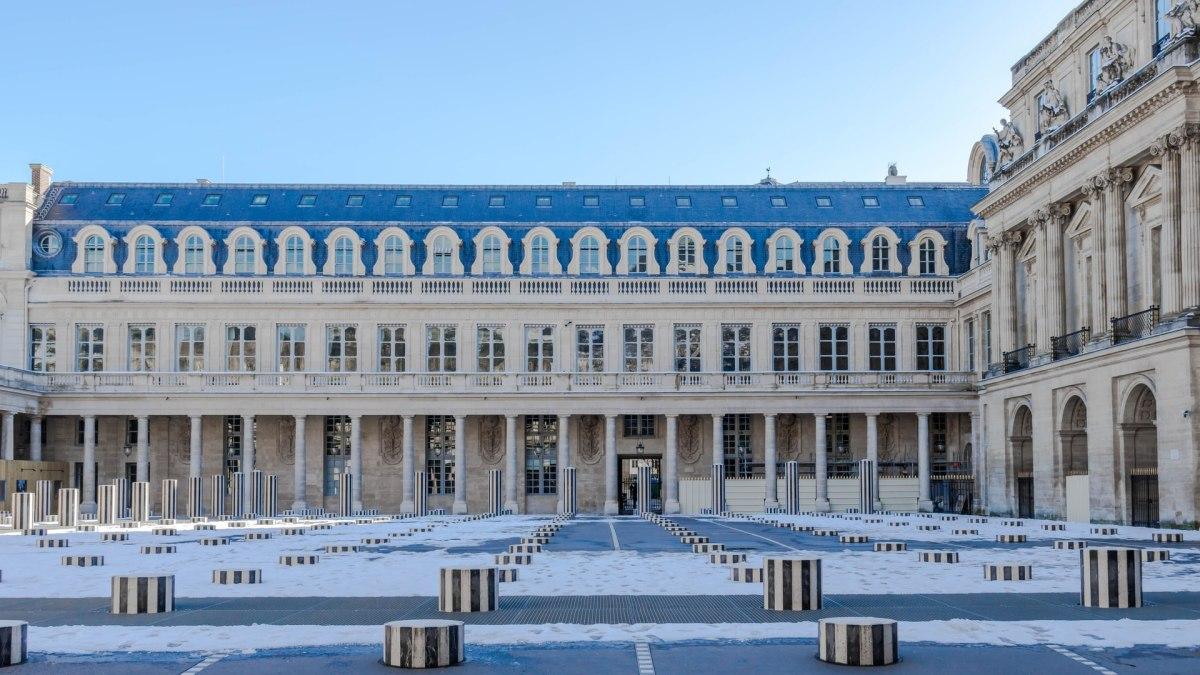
point(644, 660)
point(753, 534)
point(1079, 659)
point(211, 659)
point(616, 542)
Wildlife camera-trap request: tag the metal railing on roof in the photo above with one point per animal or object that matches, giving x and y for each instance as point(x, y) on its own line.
point(1134, 326)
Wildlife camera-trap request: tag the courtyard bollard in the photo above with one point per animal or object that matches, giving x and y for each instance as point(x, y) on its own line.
point(707, 548)
point(237, 495)
point(717, 488)
point(524, 548)
point(421, 493)
point(68, 507)
point(791, 583)
point(1110, 577)
point(122, 495)
point(293, 560)
point(139, 505)
point(14, 640)
point(508, 574)
point(345, 494)
point(853, 539)
point(169, 499)
point(1007, 572)
point(857, 641)
point(495, 492)
point(1105, 531)
point(1070, 544)
point(143, 594)
point(570, 496)
point(746, 573)
point(271, 497)
point(938, 556)
point(23, 506)
point(82, 560)
point(43, 506)
point(890, 546)
point(1167, 537)
point(1011, 538)
point(1156, 554)
point(423, 643)
point(514, 559)
point(53, 542)
point(964, 531)
point(226, 577)
point(218, 488)
point(468, 589)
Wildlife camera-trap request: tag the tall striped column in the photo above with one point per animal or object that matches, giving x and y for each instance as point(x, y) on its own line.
point(496, 491)
point(1110, 577)
point(791, 487)
point(170, 498)
point(257, 492)
point(643, 489)
point(237, 495)
point(218, 488)
point(421, 487)
point(106, 504)
point(570, 498)
point(24, 505)
point(14, 642)
point(791, 583)
point(195, 497)
point(43, 506)
point(345, 493)
point(122, 494)
point(68, 507)
point(718, 488)
point(139, 505)
point(271, 497)
point(868, 490)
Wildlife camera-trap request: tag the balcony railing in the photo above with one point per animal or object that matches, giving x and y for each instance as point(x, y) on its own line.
point(1134, 326)
point(1071, 344)
point(1017, 359)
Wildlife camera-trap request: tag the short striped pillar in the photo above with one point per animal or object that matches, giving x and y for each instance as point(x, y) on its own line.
point(169, 498)
point(1110, 577)
point(1167, 537)
point(24, 505)
point(643, 490)
point(106, 504)
point(345, 494)
point(791, 583)
point(14, 641)
point(570, 497)
point(868, 490)
point(423, 643)
point(237, 495)
point(270, 505)
point(421, 492)
point(857, 641)
point(1007, 572)
point(143, 595)
point(257, 493)
point(468, 589)
point(68, 507)
point(495, 491)
point(43, 506)
point(225, 577)
point(195, 497)
point(218, 488)
point(139, 504)
point(791, 488)
point(122, 485)
point(717, 486)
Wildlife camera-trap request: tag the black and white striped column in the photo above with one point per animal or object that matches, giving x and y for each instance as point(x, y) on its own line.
point(495, 491)
point(868, 490)
point(43, 506)
point(14, 641)
point(122, 493)
point(143, 594)
point(717, 486)
point(468, 589)
point(270, 505)
point(570, 498)
point(225, 577)
point(791, 487)
point(345, 494)
point(1007, 572)
point(139, 503)
point(195, 497)
point(68, 507)
point(421, 493)
point(169, 499)
point(258, 493)
point(218, 489)
point(857, 641)
point(24, 505)
point(106, 504)
point(643, 490)
point(791, 583)
point(423, 643)
point(237, 495)
point(1110, 577)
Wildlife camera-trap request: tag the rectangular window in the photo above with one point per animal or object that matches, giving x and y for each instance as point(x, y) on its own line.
point(916, 201)
point(1162, 25)
point(541, 454)
point(307, 200)
point(638, 426)
point(337, 451)
point(736, 445)
point(164, 199)
point(231, 445)
point(441, 348)
point(489, 348)
point(785, 347)
point(824, 202)
point(68, 200)
point(591, 202)
point(543, 202)
point(341, 348)
point(637, 202)
point(392, 348)
point(354, 200)
point(638, 352)
point(143, 348)
point(729, 202)
point(89, 348)
point(986, 320)
point(539, 349)
point(779, 202)
point(403, 201)
point(735, 347)
point(881, 343)
point(870, 202)
point(683, 202)
point(687, 348)
point(258, 200)
point(290, 345)
point(79, 431)
point(211, 200)
point(439, 454)
point(116, 199)
point(43, 348)
point(131, 431)
point(1093, 71)
point(834, 347)
point(970, 324)
point(496, 201)
point(189, 347)
point(937, 435)
point(931, 347)
point(837, 434)
point(241, 349)
point(589, 349)
point(449, 201)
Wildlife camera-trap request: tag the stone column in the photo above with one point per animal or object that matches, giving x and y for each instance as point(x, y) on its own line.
point(976, 464)
point(88, 505)
point(196, 445)
point(1094, 190)
point(671, 466)
point(769, 464)
point(407, 504)
point(356, 461)
point(1041, 327)
point(1054, 288)
point(35, 438)
point(610, 465)
point(1114, 241)
point(460, 464)
point(1189, 227)
point(143, 448)
point(247, 445)
point(510, 463)
point(7, 437)
point(1167, 149)
point(821, 459)
point(924, 503)
point(1006, 287)
point(299, 465)
point(564, 458)
point(873, 451)
point(718, 439)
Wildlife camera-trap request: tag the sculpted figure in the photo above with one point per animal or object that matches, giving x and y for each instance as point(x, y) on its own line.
point(1183, 17)
point(1009, 140)
point(1053, 108)
point(1114, 63)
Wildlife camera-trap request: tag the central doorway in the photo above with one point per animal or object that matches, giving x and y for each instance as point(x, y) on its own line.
point(629, 488)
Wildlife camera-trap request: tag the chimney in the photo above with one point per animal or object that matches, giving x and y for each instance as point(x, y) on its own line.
point(568, 183)
point(894, 177)
point(40, 176)
point(203, 181)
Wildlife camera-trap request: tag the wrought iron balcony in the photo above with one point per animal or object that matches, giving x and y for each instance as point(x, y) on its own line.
point(1134, 326)
point(1017, 359)
point(1071, 344)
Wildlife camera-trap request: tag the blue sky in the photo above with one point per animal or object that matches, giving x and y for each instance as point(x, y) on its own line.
point(620, 91)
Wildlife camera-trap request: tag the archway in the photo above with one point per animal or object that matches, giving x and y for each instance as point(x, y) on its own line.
point(1073, 446)
point(1139, 436)
point(1021, 441)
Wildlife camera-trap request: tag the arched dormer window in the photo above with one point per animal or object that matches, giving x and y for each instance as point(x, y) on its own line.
point(733, 253)
point(443, 256)
point(735, 259)
point(539, 255)
point(343, 254)
point(393, 256)
point(492, 255)
point(93, 254)
point(589, 255)
point(637, 252)
point(145, 245)
point(831, 256)
point(193, 254)
point(541, 258)
point(589, 248)
point(393, 253)
point(293, 255)
point(784, 248)
point(243, 255)
point(343, 257)
point(832, 249)
point(927, 258)
point(880, 249)
point(144, 251)
point(927, 254)
point(245, 248)
point(685, 251)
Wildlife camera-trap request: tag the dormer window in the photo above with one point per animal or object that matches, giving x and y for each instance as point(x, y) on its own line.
point(870, 202)
point(683, 202)
point(779, 202)
point(258, 200)
point(211, 200)
point(729, 202)
point(543, 202)
point(824, 202)
point(308, 200)
point(404, 201)
point(354, 200)
point(450, 202)
point(68, 200)
point(164, 199)
point(591, 202)
point(916, 201)
point(637, 202)
point(116, 199)
point(496, 201)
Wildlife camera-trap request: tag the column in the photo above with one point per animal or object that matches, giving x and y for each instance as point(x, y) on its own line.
point(564, 457)
point(772, 498)
point(460, 464)
point(88, 505)
point(1189, 226)
point(671, 466)
point(1168, 149)
point(35, 438)
point(194, 450)
point(1053, 287)
point(610, 465)
point(356, 461)
point(407, 504)
point(143, 448)
point(7, 438)
point(510, 463)
point(1094, 191)
point(299, 465)
point(924, 503)
point(1114, 240)
point(821, 459)
point(247, 445)
point(976, 464)
point(873, 450)
point(1040, 336)
point(718, 439)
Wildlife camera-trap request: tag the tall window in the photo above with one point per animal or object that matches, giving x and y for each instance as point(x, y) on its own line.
point(785, 255)
point(931, 347)
point(685, 255)
point(589, 255)
point(735, 347)
point(93, 255)
point(832, 256)
point(589, 349)
point(231, 445)
point(243, 255)
point(489, 348)
point(834, 347)
point(143, 348)
point(439, 454)
point(785, 347)
point(392, 348)
point(881, 344)
point(638, 342)
point(986, 321)
point(189, 347)
point(441, 348)
point(927, 257)
point(492, 251)
point(539, 255)
point(143, 255)
point(337, 451)
point(970, 325)
point(293, 255)
point(638, 426)
point(937, 435)
point(837, 434)
point(881, 254)
point(89, 348)
point(1093, 71)
point(637, 258)
point(393, 256)
point(193, 255)
point(734, 256)
point(541, 454)
point(735, 444)
point(539, 349)
point(1162, 26)
point(443, 256)
point(341, 348)
point(687, 348)
point(290, 346)
point(43, 348)
point(241, 348)
point(343, 257)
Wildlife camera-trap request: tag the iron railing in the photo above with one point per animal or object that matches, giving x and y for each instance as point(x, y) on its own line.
point(1070, 344)
point(1017, 359)
point(1134, 326)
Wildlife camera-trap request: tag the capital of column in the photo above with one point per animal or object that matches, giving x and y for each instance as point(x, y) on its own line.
point(195, 417)
point(610, 416)
point(769, 416)
point(671, 416)
point(508, 416)
point(1119, 176)
point(1094, 185)
point(300, 417)
point(924, 415)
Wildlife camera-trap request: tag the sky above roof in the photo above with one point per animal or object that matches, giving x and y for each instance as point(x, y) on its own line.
point(617, 92)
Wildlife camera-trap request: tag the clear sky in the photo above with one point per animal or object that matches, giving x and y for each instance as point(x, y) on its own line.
point(620, 91)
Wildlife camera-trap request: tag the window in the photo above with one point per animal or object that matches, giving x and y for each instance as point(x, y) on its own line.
point(591, 202)
point(832, 256)
point(189, 348)
point(443, 256)
point(307, 200)
point(687, 348)
point(1039, 103)
point(258, 200)
point(116, 199)
point(393, 256)
point(43, 348)
point(735, 347)
point(131, 431)
point(392, 348)
point(290, 347)
point(785, 347)
point(211, 200)
point(986, 327)
point(927, 257)
point(685, 254)
point(779, 202)
point(93, 254)
point(343, 257)
point(931, 347)
point(450, 201)
point(735, 445)
point(403, 201)
point(881, 347)
point(837, 433)
point(638, 426)
point(834, 347)
point(243, 255)
point(539, 349)
point(539, 255)
point(193, 255)
point(293, 255)
point(785, 254)
point(79, 431)
point(491, 254)
point(881, 254)
point(729, 202)
point(143, 255)
point(543, 202)
point(683, 202)
point(441, 348)
point(1162, 25)
point(870, 202)
point(439, 454)
point(937, 435)
point(589, 255)
point(970, 326)
point(164, 199)
point(916, 201)
point(589, 349)
point(541, 454)
point(824, 202)
point(48, 244)
point(341, 348)
point(68, 200)
point(637, 258)
point(337, 451)
point(143, 348)
point(241, 349)
point(1093, 71)
point(489, 348)
point(638, 350)
point(231, 451)
point(496, 201)
point(354, 200)
point(734, 259)
point(637, 202)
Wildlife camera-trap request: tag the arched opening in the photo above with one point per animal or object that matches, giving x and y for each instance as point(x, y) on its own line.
point(1073, 446)
point(1021, 442)
point(144, 255)
point(243, 255)
point(193, 255)
point(927, 258)
point(93, 255)
point(540, 255)
point(1139, 436)
point(343, 257)
point(443, 253)
point(785, 255)
point(734, 263)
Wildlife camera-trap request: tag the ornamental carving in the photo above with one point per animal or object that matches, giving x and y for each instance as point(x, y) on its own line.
point(1184, 17)
point(391, 440)
point(179, 438)
point(591, 439)
point(285, 446)
point(491, 439)
point(786, 434)
point(1010, 142)
point(1115, 64)
point(689, 439)
point(1052, 108)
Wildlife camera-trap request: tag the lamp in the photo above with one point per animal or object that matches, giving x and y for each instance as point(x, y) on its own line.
point(127, 450)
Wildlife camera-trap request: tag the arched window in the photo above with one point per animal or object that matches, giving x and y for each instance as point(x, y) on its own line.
point(539, 258)
point(243, 255)
point(589, 255)
point(636, 259)
point(393, 256)
point(93, 255)
point(785, 255)
point(734, 262)
point(143, 252)
point(293, 255)
point(881, 254)
point(193, 255)
point(927, 256)
point(443, 254)
point(685, 254)
point(832, 256)
point(343, 257)
point(492, 253)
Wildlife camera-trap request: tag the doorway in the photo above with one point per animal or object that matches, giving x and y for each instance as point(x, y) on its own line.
point(629, 488)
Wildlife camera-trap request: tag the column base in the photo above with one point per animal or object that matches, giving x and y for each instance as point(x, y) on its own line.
point(407, 506)
point(357, 506)
point(770, 504)
point(299, 504)
point(925, 506)
point(610, 507)
point(671, 506)
point(822, 506)
point(88, 508)
point(459, 508)
point(878, 505)
point(511, 506)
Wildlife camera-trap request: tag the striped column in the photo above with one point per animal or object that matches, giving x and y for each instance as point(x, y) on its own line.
point(345, 494)
point(791, 488)
point(195, 497)
point(495, 491)
point(423, 643)
point(718, 488)
point(570, 497)
point(257, 492)
point(868, 490)
point(791, 583)
point(1110, 577)
point(857, 641)
point(237, 495)
point(468, 589)
point(106, 504)
point(169, 498)
point(143, 595)
point(122, 496)
point(139, 505)
point(43, 506)
point(643, 490)
point(218, 489)
point(68, 507)
point(421, 493)
point(14, 641)
point(271, 497)
point(24, 505)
